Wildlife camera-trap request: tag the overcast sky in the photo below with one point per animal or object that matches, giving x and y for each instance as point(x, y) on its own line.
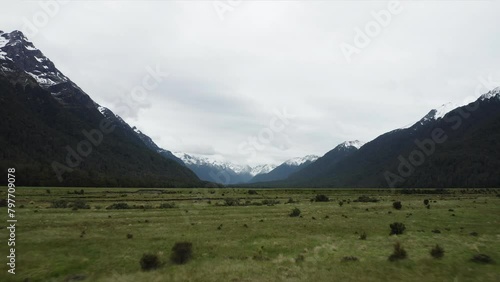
point(231, 68)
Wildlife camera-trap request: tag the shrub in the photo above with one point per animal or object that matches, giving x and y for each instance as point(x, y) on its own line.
point(80, 204)
point(118, 206)
point(426, 202)
point(252, 192)
point(291, 201)
point(321, 198)
point(482, 258)
point(362, 236)
point(149, 262)
point(3, 203)
point(397, 205)
point(366, 199)
point(340, 203)
point(47, 191)
point(130, 236)
point(295, 212)
point(181, 252)
point(398, 254)
point(231, 202)
point(270, 202)
point(300, 258)
point(437, 252)
point(349, 258)
point(59, 204)
point(167, 206)
point(397, 228)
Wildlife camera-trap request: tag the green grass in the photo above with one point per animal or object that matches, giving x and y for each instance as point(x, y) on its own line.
point(50, 246)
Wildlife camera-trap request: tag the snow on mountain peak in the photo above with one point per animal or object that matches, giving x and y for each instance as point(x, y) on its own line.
point(136, 130)
point(300, 160)
point(17, 51)
point(444, 109)
point(495, 92)
point(220, 163)
point(356, 143)
point(261, 169)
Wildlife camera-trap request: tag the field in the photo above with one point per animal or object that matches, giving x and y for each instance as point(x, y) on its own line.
point(237, 237)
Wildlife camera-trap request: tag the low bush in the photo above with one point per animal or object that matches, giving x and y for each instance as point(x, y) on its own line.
point(270, 202)
point(366, 199)
point(397, 228)
point(167, 205)
point(437, 252)
point(149, 262)
point(362, 236)
point(59, 204)
point(80, 204)
point(397, 205)
point(231, 202)
point(181, 252)
point(349, 258)
point(398, 254)
point(295, 212)
point(118, 206)
point(321, 198)
point(252, 192)
point(482, 258)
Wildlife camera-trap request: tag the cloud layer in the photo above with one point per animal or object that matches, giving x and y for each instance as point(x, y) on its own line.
point(229, 75)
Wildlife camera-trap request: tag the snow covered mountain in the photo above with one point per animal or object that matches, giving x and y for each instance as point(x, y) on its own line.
point(469, 156)
point(222, 171)
point(285, 169)
point(494, 93)
point(16, 52)
point(44, 113)
point(348, 144)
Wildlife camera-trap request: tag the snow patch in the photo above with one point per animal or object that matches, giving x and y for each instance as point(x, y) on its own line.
point(30, 48)
point(356, 144)
point(102, 110)
point(219, 163)
point(44, 82)
point(300, 160)
point(495, 92)
point(3, 41)
point(444, 109)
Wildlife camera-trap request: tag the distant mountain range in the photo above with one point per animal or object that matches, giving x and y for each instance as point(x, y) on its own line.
point(285, 169)
point(222, 171)
point(54, 134)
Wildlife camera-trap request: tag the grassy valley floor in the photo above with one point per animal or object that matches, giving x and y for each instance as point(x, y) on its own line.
point(242, 236)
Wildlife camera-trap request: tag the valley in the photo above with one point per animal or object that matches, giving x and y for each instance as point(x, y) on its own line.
point(100, 234)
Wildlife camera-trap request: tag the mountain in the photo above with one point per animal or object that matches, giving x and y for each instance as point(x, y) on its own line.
point(54, 134)
point(221, 171)
point(152, 145)
point(322, 165)
point(448, 147)
point(285, 169)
